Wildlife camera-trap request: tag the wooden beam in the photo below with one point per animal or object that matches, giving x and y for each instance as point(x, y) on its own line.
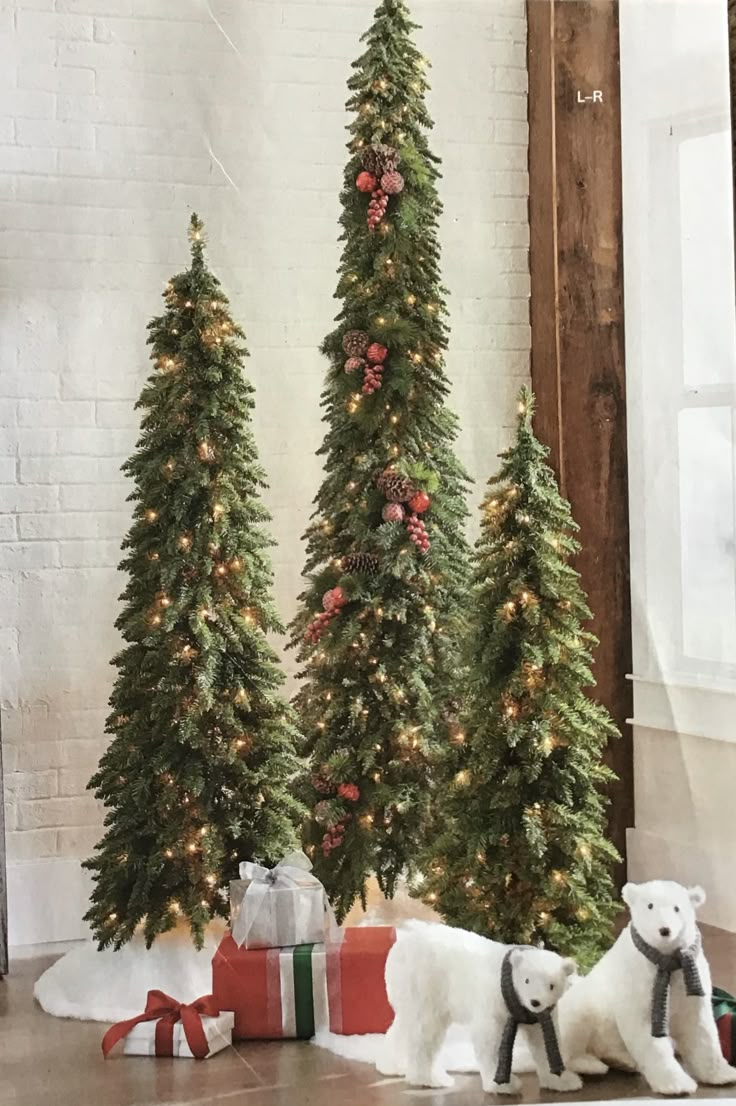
point(577, 324)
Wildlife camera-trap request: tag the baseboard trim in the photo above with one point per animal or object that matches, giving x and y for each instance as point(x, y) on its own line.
point(653, 857)
point(46, 902)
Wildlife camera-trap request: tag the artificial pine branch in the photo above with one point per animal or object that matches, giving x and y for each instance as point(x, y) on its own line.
point(199, 773)
point(386, 551)
point(520, 852)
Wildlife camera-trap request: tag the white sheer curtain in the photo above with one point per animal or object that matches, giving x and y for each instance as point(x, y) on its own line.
point(681, 384)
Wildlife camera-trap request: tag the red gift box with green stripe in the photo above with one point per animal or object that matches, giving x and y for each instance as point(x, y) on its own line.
point(724, 1011)
point(293, 992)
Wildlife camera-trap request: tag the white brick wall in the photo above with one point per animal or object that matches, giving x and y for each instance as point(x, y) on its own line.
point(120, 117)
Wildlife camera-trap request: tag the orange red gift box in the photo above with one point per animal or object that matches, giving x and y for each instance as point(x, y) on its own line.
point(295, 992)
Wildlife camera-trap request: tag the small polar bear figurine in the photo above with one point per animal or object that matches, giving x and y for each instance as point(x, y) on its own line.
point(649, 997)
point(437, 975)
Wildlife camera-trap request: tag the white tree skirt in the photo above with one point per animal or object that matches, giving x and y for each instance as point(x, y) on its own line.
point(457, 1052)
point(111, 986)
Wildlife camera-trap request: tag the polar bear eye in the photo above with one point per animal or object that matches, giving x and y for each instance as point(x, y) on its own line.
point(677, 910)
point(527, 982)
point(551, 986)
point(651, 906)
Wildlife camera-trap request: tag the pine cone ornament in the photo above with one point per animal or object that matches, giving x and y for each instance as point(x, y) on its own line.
point(396, 488)
point(392, 183)
point(361, 562)
point(380, 158)
point(354, 364)
point(355, 343)
point(369, 160)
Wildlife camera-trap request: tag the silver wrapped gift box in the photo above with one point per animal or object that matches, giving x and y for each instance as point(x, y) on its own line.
point(280, 906)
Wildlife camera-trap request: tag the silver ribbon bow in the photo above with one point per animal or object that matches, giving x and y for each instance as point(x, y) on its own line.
point(294, 871)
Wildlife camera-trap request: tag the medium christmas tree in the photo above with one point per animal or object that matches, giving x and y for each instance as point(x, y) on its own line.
point(199, 774)
point(387, 558)
point(522, 856)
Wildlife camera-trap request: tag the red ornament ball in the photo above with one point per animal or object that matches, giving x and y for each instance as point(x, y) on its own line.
point(392, 183)
point(366, 182)
point(393, 512)
point(354, 364)
point(376, 353)
point(349, 791)
point(419, 503)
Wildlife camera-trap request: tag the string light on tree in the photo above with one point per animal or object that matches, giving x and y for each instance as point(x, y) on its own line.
point(535, 769)
point(368, 539)
point(188, 691)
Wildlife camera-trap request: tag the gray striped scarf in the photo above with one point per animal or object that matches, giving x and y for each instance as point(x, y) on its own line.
point(666, 964)
point(519, 1015)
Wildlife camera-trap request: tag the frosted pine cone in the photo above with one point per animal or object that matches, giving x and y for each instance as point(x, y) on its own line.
point(396, 488)
point(355, 343)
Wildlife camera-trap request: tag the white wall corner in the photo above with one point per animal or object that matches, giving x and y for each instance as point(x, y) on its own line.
point(46, 901)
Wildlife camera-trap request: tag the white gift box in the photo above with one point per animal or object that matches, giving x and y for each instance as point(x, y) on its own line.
point(141, 1041)
point(284, 916)
point(279, 907)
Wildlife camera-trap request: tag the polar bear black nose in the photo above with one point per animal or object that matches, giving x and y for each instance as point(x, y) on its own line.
point(536, 1002)
point(664, 931)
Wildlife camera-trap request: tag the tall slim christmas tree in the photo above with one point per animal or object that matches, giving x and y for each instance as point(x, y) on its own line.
point(387, 559)
point(522, 855)
point(199, 774)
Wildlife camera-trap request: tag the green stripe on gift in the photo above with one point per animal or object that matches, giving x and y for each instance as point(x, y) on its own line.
point(303, 996)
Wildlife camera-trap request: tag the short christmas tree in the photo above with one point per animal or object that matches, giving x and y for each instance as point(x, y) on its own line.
point(387, 558)
point(199, 773)
point(523, 856)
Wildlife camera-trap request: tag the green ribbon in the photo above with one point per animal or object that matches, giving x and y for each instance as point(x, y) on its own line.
point(303, 995)
point(723, 1003)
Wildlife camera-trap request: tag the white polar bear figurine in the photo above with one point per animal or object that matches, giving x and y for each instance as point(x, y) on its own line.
point(649, 997)
point(437, 975)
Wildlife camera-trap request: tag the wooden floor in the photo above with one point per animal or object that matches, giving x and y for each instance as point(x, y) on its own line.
point(48, 1061)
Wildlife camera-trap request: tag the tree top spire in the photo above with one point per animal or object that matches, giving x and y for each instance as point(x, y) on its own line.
point(197, 236)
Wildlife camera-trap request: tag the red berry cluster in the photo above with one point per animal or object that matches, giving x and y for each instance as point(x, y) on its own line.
point(375, 356)
point(333, 602)
point(333, 838)
point(377, 208)
point(418, 533)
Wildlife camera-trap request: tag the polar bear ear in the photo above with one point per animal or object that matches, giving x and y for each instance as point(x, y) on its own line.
point(569, 966)
point(516, 954)
point(696, 896)
point(628, 893)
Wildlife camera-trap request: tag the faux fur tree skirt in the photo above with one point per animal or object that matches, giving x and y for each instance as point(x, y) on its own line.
point(111, 986)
